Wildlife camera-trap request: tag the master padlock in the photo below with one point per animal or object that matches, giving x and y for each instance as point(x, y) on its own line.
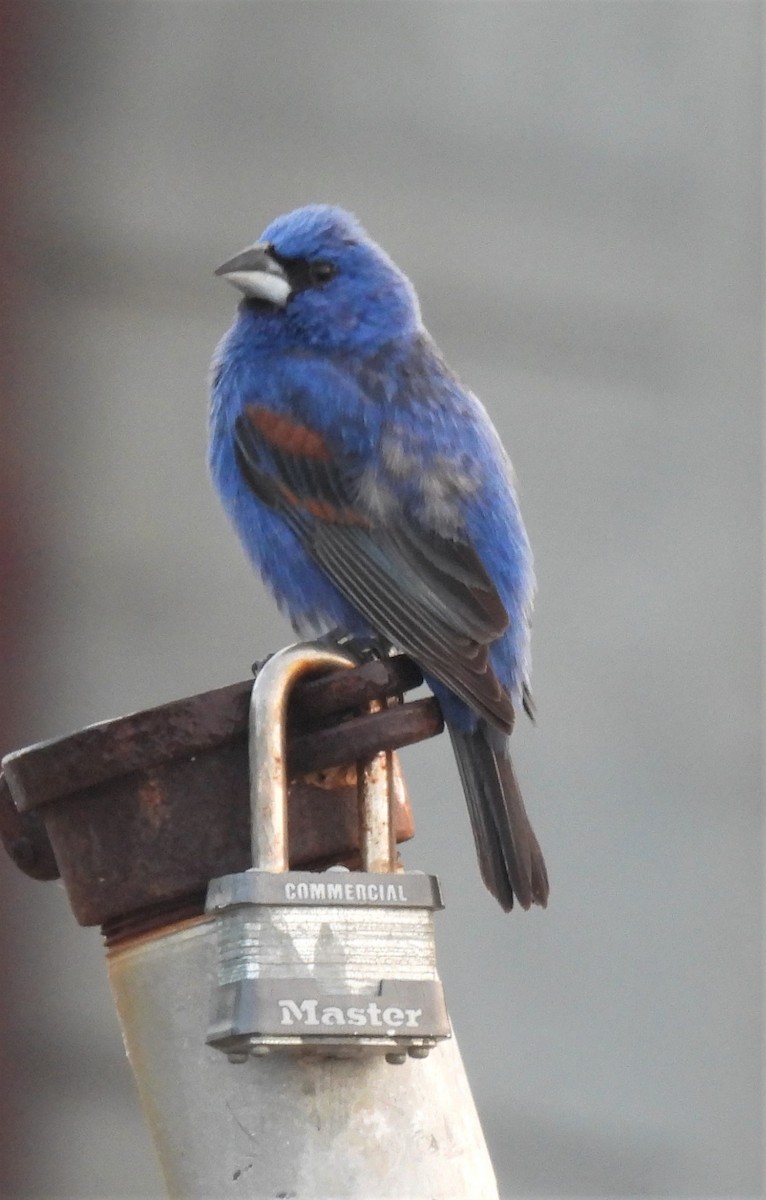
point(338, 962)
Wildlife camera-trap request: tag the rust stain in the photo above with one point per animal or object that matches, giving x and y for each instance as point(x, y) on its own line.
point(152, 800)
point(116, 951)
point(332, 778)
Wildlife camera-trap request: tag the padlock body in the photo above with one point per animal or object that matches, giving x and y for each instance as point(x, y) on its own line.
point(334, 962)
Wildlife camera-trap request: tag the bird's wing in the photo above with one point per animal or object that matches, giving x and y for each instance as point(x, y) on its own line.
point(428, 595)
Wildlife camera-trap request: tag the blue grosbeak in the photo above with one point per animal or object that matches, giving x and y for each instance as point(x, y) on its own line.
point(371, 491)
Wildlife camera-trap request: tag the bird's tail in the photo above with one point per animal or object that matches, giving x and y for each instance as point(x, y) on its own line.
point(509, 854)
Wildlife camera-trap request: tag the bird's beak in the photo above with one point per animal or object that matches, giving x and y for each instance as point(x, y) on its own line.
point(256, 273)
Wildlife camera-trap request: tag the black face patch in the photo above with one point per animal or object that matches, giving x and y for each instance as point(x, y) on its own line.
point(303, 273)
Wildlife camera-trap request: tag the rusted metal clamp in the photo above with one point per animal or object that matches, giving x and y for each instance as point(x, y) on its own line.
point(138, 813)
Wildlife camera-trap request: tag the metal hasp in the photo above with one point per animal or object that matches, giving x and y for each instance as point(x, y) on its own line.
point(338, 963)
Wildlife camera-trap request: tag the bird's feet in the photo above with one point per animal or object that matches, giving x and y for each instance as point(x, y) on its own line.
point(364, 649)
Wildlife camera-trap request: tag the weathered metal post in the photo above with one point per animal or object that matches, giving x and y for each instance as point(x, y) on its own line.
point(290, 1123)
point(313, 1128)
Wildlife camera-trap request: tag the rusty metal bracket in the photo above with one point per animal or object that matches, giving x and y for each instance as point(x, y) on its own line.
point(138, 813)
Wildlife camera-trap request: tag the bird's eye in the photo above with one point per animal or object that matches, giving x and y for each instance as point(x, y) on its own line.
point(320, 272)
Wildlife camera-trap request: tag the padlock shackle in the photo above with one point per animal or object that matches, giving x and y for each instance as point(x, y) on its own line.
point(267, 744)
point(376, 780)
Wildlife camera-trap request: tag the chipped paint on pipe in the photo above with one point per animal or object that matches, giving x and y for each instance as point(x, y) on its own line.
point(314, 1128)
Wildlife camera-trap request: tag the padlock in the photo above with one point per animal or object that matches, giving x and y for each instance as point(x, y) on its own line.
point(337, 963)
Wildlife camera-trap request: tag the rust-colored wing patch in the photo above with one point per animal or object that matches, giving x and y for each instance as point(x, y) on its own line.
point(284, 434)
point(323, 510)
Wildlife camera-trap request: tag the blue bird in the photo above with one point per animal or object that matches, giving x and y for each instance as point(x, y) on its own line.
point(372, 492)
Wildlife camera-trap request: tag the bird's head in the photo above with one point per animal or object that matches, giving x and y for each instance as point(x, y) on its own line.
point(316, 279)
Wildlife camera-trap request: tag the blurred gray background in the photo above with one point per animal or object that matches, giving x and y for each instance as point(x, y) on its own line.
point(574, 189)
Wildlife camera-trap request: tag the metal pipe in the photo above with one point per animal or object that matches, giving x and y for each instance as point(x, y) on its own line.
point(265, 1122)
point(320, 1129)
point(289, 1125)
